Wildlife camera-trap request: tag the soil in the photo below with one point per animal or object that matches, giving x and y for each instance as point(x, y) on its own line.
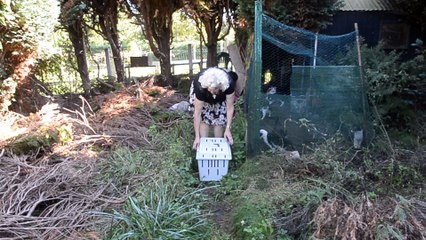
point(221, 212)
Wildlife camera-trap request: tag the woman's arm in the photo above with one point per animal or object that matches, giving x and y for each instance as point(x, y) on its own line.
point(198, 106)
point(229, 117)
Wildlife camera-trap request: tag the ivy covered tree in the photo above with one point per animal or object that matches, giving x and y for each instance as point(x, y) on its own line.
point(156, 20)
point(209, 18)
point(71, 18)
point(17, 59)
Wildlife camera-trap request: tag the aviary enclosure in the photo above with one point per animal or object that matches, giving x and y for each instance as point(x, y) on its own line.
point(303, 88)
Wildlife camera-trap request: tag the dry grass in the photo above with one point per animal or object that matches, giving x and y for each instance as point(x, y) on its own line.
point(391, 218)
point(308, 200)
point(51, 192)
point(126, 115)
point(49, 201)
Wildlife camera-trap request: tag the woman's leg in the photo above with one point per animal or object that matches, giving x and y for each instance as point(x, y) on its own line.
point(204, 129)
point(218, 131)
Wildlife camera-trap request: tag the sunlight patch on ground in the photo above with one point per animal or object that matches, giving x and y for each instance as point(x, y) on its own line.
point(10, 128)
point(118, 105)
point(46, 125)
point(75, 151)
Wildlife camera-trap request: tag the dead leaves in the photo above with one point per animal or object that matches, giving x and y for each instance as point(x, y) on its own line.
point(366, 220)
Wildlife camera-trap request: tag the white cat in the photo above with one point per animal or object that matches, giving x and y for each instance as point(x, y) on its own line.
point(358, 137)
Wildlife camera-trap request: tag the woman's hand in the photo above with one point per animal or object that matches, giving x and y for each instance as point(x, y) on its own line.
point(196, 143)
point(228, 136)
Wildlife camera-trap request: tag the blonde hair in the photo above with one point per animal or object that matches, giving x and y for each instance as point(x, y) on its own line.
point(215, 78)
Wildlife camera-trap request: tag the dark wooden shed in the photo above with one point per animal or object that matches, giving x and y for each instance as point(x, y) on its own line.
point(378, 20)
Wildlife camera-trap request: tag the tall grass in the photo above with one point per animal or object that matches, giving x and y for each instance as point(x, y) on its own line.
point(162, 212)
point(125, 166)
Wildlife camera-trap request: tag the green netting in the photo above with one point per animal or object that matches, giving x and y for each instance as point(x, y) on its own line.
point(301, 89)
point(317, 49)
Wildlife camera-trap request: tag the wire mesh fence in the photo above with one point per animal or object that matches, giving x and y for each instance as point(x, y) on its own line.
point(305, 89)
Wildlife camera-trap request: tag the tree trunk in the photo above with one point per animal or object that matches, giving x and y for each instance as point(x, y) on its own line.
point(114, 42)
point(212, 32)
point(212, 55)
point(238, 63)
point(157, 20)
point(27, 97)
point(162, 52)
point(118, 62)
point(166, 70)
point(77, 38)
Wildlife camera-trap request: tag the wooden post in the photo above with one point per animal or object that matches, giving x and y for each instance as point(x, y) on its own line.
point(194, 52)
point(361, 76)
point(191, 68)
point(253, 90)
point(315, 50)
point(108, 65)
point(240, 69)
point(171, 62)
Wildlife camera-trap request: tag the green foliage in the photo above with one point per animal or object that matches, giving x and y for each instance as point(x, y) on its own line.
point(170, 156)
point(309, 198)
point(404, 138)
point(184, 30)
point(176, 142)
point(32, 144)
point(404, 176)
point(43, 138)
point(395, 87)
point(64, 134)
point(239, 126)
point(7, 90)
point(181, 131)
point(16, 29)
point(309, 14)
point(179, 153)
point(316, 15)
point(386, 231)
point(405, 221)
point(42, 18)
point(283, 235)
point(381, 71)
point(260, 230)
point(332, 164)
point(231, 183)
point(56, 68)
point(162, 212)
point(153, 92)
point(73, 14)
point(17, 43)
point(249, 223)
point(49, 67)
point(131, 36)
point(124, 162)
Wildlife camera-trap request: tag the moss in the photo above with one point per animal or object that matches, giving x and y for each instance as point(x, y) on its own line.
point(44, 138)
point(31, 144)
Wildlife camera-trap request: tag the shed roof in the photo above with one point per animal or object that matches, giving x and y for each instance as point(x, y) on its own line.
point(368, 5)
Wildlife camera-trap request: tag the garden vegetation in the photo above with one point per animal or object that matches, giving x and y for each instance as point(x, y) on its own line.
point(119, 165)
